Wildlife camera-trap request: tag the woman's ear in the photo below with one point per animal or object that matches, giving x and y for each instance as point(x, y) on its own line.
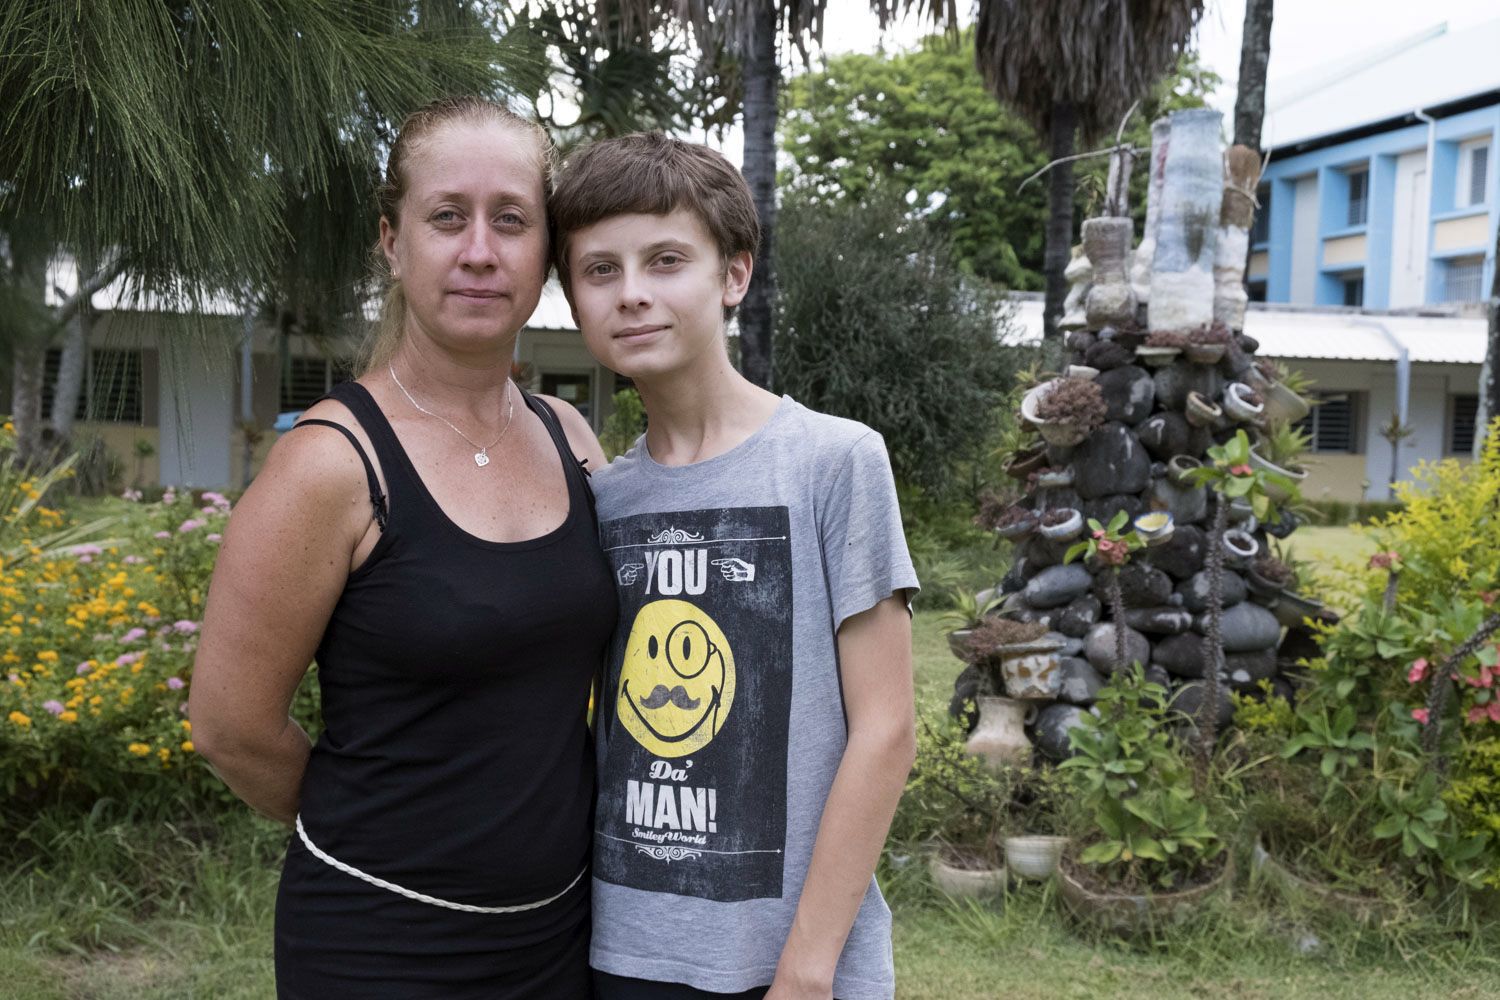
point(737, 278)
point(388, 247)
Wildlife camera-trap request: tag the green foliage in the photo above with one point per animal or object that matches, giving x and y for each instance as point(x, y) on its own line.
point(1336, 736)
point(1341, 512)
point(950, 795)
point(1110, 544)
point(625, 423)
point(1231, 475)
point(877, 323)
point(924, 116)
point(1150, 829)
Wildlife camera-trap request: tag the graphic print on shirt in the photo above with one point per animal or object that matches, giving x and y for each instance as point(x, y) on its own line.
point(692, 790)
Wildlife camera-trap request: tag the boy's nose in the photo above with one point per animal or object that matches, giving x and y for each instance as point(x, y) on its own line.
point(635, 292)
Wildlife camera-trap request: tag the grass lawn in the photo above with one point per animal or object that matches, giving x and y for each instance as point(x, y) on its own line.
point(106, 907)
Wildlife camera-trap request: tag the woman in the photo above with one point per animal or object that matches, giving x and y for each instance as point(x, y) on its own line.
point(426, 535)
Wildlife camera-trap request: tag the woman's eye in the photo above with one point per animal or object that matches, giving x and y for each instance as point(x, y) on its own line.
point(512, 219)
point(445, 216)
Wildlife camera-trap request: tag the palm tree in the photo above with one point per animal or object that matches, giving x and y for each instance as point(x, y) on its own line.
point(1072, 68)
point(1255, 55)
point(186, 146)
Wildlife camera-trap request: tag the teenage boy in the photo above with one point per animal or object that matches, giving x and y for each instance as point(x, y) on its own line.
point(756, 726)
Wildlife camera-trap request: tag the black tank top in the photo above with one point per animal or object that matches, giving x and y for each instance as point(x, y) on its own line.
point(455, 673)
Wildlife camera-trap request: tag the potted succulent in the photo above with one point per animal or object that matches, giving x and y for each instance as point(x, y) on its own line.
point(1110, 545)
point(1024, 461)
point(958, 806)
point(967, 613)
point(1243, 403)
point(1065, 410)
point(1155, 527)
point(1015, 523)
point(1178, 466)
point(1040, 797)
point(1054, 477)
point(1240, 548)
point(1151, 856)
point(1202, 411)
point(1267, 577)
point(1161, 348)
point(1061, 524)
point(1282, 391)
point(1017, 658)
point(1277, 451)
point(1206, 345)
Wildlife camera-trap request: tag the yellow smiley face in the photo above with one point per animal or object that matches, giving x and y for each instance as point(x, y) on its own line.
point(677, 680)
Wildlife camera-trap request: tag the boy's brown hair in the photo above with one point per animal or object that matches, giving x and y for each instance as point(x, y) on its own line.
point(648, 173)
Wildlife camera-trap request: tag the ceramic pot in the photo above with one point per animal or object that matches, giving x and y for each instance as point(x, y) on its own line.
point(1024, 463)
point(1283, 406)
point(1019, 529)
point(1238, 406)
point(958, 642)
point(1264, 590)
point(1130, 915)
point(1278, 493)
point(1178, 467)
point(1204, 354)
point(1055, 479)
point(1240, 511)
point(1000, 737)
point(1082, 371)
point(1106, 243)
point(1031, 671)
point(1157, 357)
point(1292, 607)
point(1034, 856)
point(1201, 411)
point(1155, 528)
point(1240, 548)
point(966, 883)
point(1064, 531)
point(1360, 909)
point(1057, 434)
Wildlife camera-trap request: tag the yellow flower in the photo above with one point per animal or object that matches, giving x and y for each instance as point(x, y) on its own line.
point(187, 746)
point(139, 749)
point(20, 719)
point(47, 656)
point(69, 716)
point(164, 754)
point(187, 726)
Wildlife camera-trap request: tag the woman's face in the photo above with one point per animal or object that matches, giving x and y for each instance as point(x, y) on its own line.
point(470, 244)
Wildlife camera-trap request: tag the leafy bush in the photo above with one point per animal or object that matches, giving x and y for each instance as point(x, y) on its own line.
point(625, 423)
point(877, 322)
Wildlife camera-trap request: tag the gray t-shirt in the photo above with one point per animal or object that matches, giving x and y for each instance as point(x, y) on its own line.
point(722, 720)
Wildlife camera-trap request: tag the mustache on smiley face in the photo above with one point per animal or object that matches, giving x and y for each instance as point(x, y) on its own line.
point(678, 696)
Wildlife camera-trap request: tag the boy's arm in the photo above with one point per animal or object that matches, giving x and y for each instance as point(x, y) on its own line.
point(875, 665)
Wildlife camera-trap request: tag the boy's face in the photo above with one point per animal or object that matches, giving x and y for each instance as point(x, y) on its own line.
point(649, 292)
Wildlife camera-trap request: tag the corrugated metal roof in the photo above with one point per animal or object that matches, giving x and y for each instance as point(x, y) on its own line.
point(1328, 335)
point(1434, 67)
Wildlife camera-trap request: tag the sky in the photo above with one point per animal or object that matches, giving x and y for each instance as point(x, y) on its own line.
point(1304, 34)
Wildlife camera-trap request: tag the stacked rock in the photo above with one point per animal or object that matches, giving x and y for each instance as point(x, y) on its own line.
point(1163, 408)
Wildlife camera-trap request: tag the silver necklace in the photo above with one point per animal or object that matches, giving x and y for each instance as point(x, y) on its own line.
point(482, 456)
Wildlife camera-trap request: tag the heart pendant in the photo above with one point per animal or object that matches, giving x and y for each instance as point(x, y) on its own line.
point(481, 459)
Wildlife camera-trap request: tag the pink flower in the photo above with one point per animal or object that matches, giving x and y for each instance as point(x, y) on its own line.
point(1417, 672)
point(185, 627)
point(191, 524)
point(133, 635)
point(170, 496)
point(1385, 560)
point(87, 550)
point(214, 536)
point(82, 669)
point(175, 683)
point(133, 560)
point(1421, 715)
point(162, 534)
point(85, 559)
point(126, 659)
point(1241, 470)
point(54, 706)
point(220, 501)
point(1489, 597)
point(133, 496)
point(1100, 533)
point(1479, 713)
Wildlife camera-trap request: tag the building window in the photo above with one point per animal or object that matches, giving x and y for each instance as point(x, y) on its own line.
point(1260, 229)
point(1463, 416)
point(1359, 197)
point(1354, 290)
point(1256, 290)
point(575, 389)
point(306, 380)
point(1473, 175)
point(112, 386)
point(1463, 279)
point(1333, 424)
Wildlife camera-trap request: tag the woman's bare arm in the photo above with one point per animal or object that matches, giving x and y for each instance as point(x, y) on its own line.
point(285, 558)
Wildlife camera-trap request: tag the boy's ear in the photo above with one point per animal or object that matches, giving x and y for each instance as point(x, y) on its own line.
point(388, 247)
point(737, 278)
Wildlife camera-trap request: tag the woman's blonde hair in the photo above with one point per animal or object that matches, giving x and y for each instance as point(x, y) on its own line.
point(385, 336)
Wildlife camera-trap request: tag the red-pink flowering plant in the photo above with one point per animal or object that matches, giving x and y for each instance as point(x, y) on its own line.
point(1110, 545)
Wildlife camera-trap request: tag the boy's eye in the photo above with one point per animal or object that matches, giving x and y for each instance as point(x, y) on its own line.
point(601, 268)
point(669, 259)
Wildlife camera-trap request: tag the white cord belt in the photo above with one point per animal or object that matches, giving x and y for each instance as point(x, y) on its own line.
point(421, 897)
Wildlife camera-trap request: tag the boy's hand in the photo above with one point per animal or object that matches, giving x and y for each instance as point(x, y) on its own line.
point(783, 988)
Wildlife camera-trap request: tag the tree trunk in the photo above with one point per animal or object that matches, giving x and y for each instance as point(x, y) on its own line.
point(1213, 643)
point(1255, 54)
point(1059, 216)
point(762, 80)
point(70, 372)
point(28, 359)
point(1489, 375)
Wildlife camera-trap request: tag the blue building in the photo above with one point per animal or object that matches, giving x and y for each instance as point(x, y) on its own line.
point(1383, 184)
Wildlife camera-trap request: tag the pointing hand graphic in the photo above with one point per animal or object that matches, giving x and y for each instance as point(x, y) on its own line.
point(736, 570)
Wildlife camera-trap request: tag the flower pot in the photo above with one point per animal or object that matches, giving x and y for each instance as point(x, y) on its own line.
point(1240, 548)
point(1128, 914)
point(1031, 671)
point(1034, 856)
point(1000, 737)
point(1106, 243)
point(1278, 494)
point(1359, 908)
point(1291, 608)
point(962, 882)
point(1064, 531)
point(1240, 511)
point(1157, 357)
point(1178, 467)
point(1238, 406)
point(1204, 354)
point(1201, 411)
point(1024, 463)
point(1051, 480)
point(958, 642)
point(1082, 371)
point(1018, 529)
point(1155, 528)
point(1264, 590)
point(1062, 435)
